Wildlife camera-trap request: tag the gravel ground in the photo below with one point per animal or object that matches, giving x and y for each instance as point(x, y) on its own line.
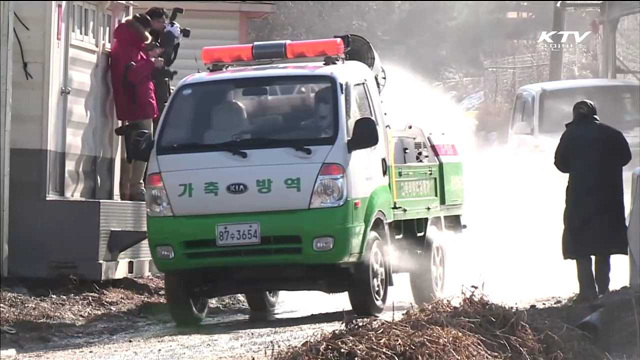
point(511, 252)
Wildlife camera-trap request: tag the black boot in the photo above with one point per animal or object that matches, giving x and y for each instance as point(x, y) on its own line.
point(603, 268)
point(587, 283)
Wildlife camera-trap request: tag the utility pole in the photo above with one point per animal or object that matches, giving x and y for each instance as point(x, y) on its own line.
point(555, 62)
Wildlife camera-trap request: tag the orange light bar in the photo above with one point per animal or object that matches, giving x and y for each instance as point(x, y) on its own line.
point(315, 48)
point(227, 54)
point(272, 50)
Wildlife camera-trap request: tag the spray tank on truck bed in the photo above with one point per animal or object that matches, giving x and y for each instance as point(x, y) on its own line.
point(360, 49)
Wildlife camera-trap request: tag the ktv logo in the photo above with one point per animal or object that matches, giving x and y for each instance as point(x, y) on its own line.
point(547, 41)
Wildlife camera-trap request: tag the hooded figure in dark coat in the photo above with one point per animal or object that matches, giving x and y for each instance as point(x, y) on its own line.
point(593, 154)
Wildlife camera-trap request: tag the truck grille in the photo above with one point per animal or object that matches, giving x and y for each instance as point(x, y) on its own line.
point(244, 253)
point(200, 249)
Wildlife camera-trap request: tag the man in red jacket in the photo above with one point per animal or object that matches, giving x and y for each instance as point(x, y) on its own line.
point(133, 92)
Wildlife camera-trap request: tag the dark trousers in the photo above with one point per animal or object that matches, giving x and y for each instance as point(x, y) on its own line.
point(586, 279)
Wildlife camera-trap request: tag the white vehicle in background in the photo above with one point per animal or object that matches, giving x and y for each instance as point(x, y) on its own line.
point(541, 110)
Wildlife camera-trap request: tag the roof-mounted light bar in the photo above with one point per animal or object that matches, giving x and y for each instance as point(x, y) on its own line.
point(273, 50)
point(315, 48)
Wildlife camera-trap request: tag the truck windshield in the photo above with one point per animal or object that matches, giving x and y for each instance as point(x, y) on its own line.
point(251, 113)
point(618, 106)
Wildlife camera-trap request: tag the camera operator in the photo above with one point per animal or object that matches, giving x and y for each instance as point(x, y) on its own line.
point(158, 22)
point(159, 77)
point(132, 65)
point(168, 35)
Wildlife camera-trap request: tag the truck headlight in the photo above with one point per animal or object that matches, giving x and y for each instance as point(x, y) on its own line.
point(156, 197)
point(330, 188)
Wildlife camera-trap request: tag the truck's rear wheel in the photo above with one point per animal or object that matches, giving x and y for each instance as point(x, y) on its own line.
point(370, 283)
point(185, 309)
point(428, 275)
point(264, 302)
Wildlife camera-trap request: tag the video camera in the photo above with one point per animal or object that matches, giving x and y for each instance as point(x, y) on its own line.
point(170, 38)
point(170, 41)
point(186, 32)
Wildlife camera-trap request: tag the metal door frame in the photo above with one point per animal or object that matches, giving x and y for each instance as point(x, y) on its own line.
point(6, 64)
point(67, 6)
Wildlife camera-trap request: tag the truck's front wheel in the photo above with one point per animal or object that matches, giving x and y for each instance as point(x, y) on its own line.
point(185, 309)
point(428, 275)
point(370, 284)
point(264, 301)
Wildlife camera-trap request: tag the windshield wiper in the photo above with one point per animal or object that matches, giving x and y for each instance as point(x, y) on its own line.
point(235, 147)
point(236, 152)
point(268, 142)
point(222, 147)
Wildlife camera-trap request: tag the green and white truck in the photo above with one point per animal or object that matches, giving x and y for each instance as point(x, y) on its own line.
point(269, 176)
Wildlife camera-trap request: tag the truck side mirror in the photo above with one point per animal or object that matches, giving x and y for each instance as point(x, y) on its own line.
point(522, 128)
point(140, 145)
point(364, 136)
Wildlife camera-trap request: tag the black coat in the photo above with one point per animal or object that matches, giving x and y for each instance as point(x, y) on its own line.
point(593, 154)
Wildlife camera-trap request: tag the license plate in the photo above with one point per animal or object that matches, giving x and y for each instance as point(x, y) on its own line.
point(238, 234)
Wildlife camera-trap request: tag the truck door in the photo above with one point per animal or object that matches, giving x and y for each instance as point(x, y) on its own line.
point(527, 116)
point(383, 133)
point(522, 122)
point(369, 167)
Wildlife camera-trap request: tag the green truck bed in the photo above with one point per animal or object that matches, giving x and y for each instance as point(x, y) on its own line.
point(426, 189)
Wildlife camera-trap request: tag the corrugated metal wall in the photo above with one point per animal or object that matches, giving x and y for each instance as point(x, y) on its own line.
point(63, 121)
point(114, 215)
point(208, 28)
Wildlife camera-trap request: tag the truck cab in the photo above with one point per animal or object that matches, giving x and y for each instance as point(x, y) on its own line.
point(273, 177)
point(540, 111)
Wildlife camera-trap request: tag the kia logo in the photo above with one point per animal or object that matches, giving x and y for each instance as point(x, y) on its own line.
point(237, 188)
